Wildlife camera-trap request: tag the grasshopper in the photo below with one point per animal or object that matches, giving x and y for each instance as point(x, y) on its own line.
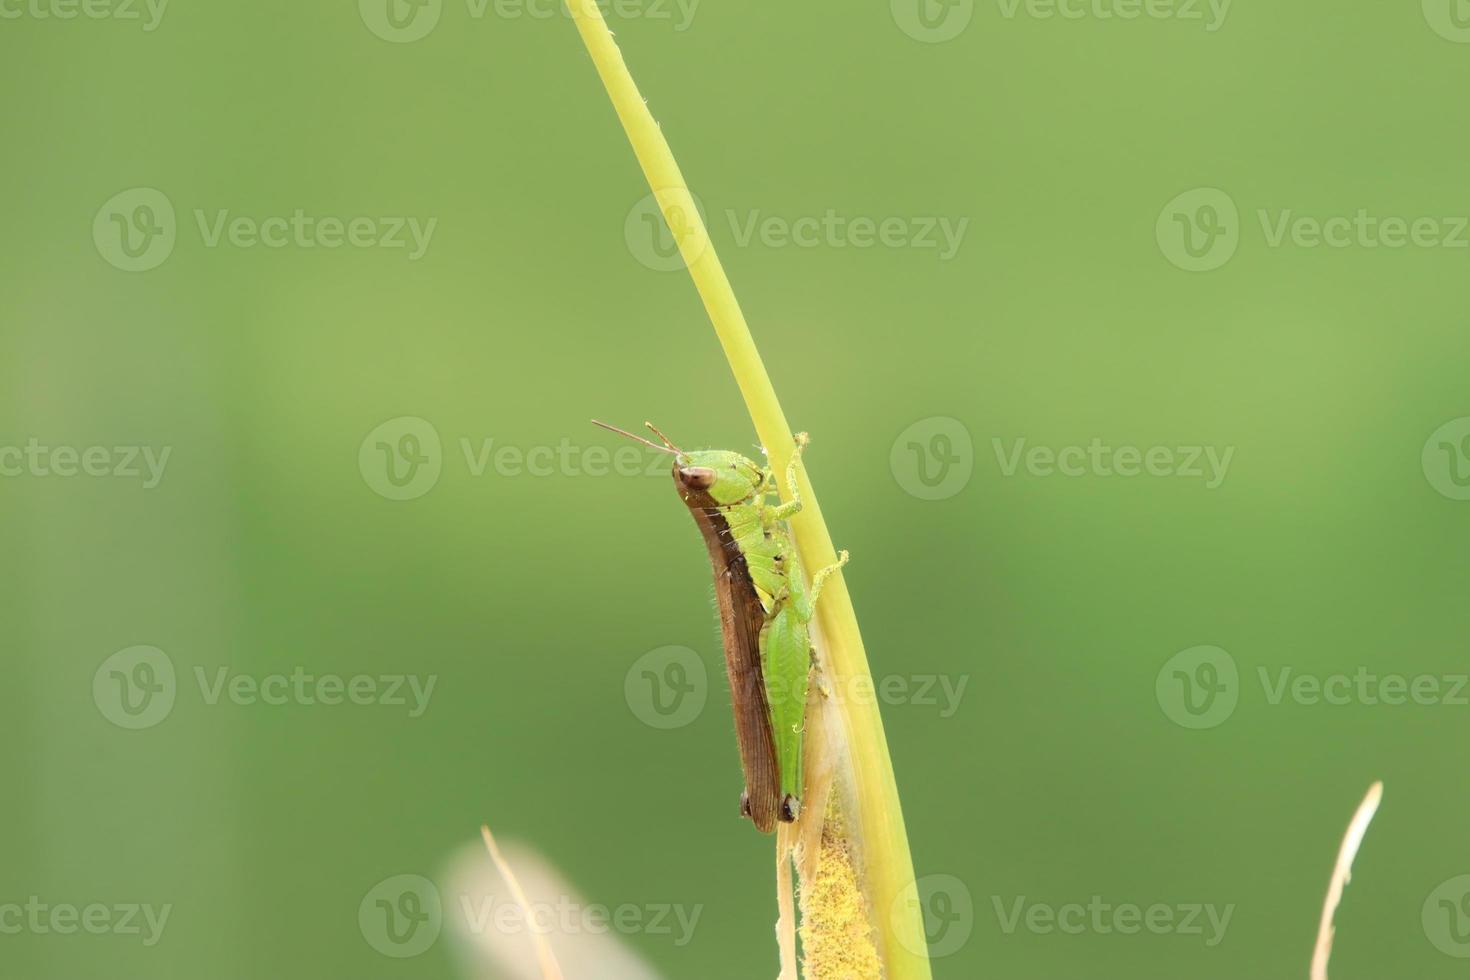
point(765, 608)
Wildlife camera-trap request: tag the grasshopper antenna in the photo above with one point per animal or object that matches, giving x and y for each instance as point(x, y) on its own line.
point(624, 432)
point(654, 429)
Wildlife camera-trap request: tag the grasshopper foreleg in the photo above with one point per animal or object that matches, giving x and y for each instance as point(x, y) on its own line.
point(793, 504)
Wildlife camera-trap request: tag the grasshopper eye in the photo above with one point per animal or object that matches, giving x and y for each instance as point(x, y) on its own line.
point(697, 477)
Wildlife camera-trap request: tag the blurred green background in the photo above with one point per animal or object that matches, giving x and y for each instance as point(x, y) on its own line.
point(1072, 147)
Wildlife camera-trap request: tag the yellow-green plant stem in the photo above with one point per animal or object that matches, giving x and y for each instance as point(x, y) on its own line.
point(883, 841)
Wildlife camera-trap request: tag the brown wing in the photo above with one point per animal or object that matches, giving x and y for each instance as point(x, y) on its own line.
point(741, 617)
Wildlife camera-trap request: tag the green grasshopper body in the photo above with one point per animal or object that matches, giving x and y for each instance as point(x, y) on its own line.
point(765, 611)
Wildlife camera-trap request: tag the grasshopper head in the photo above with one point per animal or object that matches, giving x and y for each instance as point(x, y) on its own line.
point(726, 477)
point(708, 475)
